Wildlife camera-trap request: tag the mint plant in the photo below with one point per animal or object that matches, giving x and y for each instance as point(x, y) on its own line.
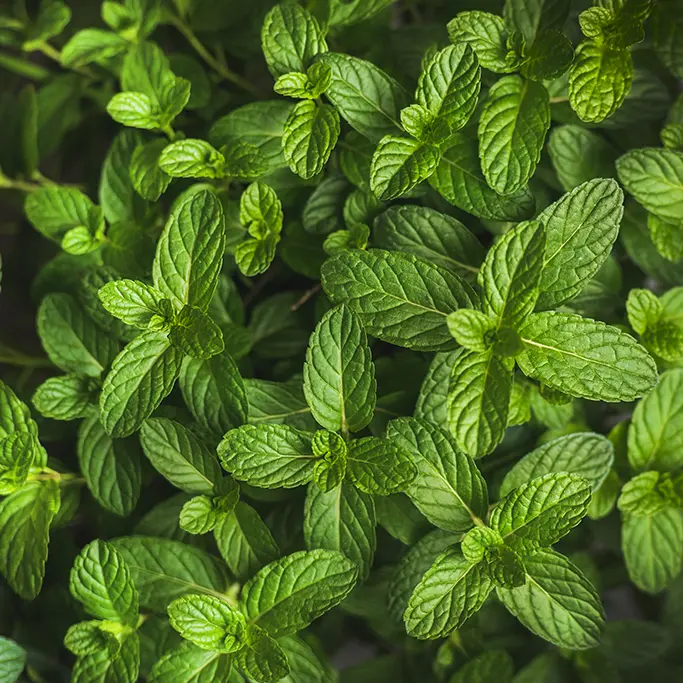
point(341, 341)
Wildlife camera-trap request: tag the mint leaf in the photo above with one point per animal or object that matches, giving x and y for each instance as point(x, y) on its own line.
point(288, 594)
point(557, 602)
point(262, 658)
point(268, 455)
point(195, 334)
point(339, 376)
point(512, 130)
point(123, 666)
point(450, 592)
point(448, 489)
point(102, 582)
point(64, 398)
point(92, 45)
point(17, 455)
point(188, 663)
point(148, 179)
point(585, 358)
point(377, 467)
point(397, 297)
point(12, 659)
point(192, 159)
point(131, 301)
point(486, 35)
point(494, 666)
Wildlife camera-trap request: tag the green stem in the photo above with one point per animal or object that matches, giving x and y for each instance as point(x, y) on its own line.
point(23, 67)
point(214, 63)
point(21, 185)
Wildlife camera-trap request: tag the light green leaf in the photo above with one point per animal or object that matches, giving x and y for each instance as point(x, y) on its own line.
point(378, 467)
point(429, 235)
point(25, 518)
point(178, 455)
point(458, 178)
point(655, 178)
point(245, 542)
point(131, 301)
point(192, 158)
point(141, 376)
point(512, 130)
point(67, 397)
point(288, 594)
point(124, 666)
point(92, 45)
point(17, 455)
point(54, 210)
point(648, 493)
point(365, 96)
point(472, 329)
point(311, 132)
point(209, 622)
point(195, 334)
point(585, 358)
point(261, 210)
point(397, 297)
point(136, 110)
point(532, 16)
point(449, 489)
point(339, 375)
point(12, 660)
point(254, 256)
point(190, 250)
point(199, 515)
point(557, 602)
point(164, 570)
point(450, 592)
point(587, 454)
point(101, 581)
point(262, 658)
point(655, 435)
point(188, 663)
point(111, 467)
point(581, 228)
point(666, 237)
point(290, 38)
point(16, 417)
point(486, 35)
point(147, 177)
point(599, 80)
point(342, 519)
point(449, 85)
point(479, 400)
point(268, 455)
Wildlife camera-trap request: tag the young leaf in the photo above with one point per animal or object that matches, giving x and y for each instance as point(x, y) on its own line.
point(485, 33)
point(585, 358)
point(195, 334)
point(92, 45)
point(512, 130)
point(261, 658)
point(148, 179)
point(449, 489)
point(450, 592)
point(378, 467)
point(101, 581)
point(339, 375)
point(131, 301)
point(53, 210)
point(102, 666)
point(188, 663)
point(192, 159)
point(288, 594)
point(397, 297)
point(67, 397)
point(141, 376)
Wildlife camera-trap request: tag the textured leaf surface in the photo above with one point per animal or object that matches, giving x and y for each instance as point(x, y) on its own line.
point(432, 401)
point(378, 467)
point(397, 297)
point(485, 33)
point(188, 663)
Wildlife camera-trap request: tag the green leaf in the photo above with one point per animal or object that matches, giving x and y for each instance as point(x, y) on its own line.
point(268, 455)
point(366, 97)
point(431, 236)
point(449, 593)
point(164, 570)
point(54, 210)
point(512, 130)
point(533, 16)
point(12, 660)
point(245, 542)
point(178, 455)
point(192, 159)
point(136, 110)
point(288, 594)
point(15, 416)
point(342, 519)
point(92, 45)
point(278, 403)
point(548, 57)
point(579, 154)
point(262, 659)
point(449, 85)
point(655, 178)
point(585, 358)
point(479, 400)
point(17, 455)
point(102, 666)
point(195, 334)
point(88, 638)
point(472, 329)
point(493, 666)
point(653, 548)
point(585, 454)
point(655, 432)
point(647, 493)
point(510, 275)
point(378, 467)
point(449, 489)
point(25, 518)
point(339, 375)
point(254, 256)
point(199, 515)
point(599, 80)
point(147, 177)
point(141, 376)
point(311, 132)
point(666, 237)
point(188, 663)
point(190, 250)
point(309, 85)
point(397, 297)
point(322, 212)
point(131, 301)
point(101, 581)
point(214, 392)
point(67, 397)
point(458, 178)
point(261, 210)
point(399, 165)
point(543, 510)
point(209, 622)
point(290, 39)
point(111, 467)
point(557, 602)
point(485, 33)
point(581, 228)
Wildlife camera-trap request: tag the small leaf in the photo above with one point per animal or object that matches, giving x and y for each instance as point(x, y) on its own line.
point(378, 467)
point(486, 35)
point(192, 159)
point(261, 658)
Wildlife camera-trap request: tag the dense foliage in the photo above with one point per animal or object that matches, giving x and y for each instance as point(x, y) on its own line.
point(341, 339)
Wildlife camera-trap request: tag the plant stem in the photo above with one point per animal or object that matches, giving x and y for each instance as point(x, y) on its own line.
point(22, 185)
point(23, 67)
point(214, 63)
